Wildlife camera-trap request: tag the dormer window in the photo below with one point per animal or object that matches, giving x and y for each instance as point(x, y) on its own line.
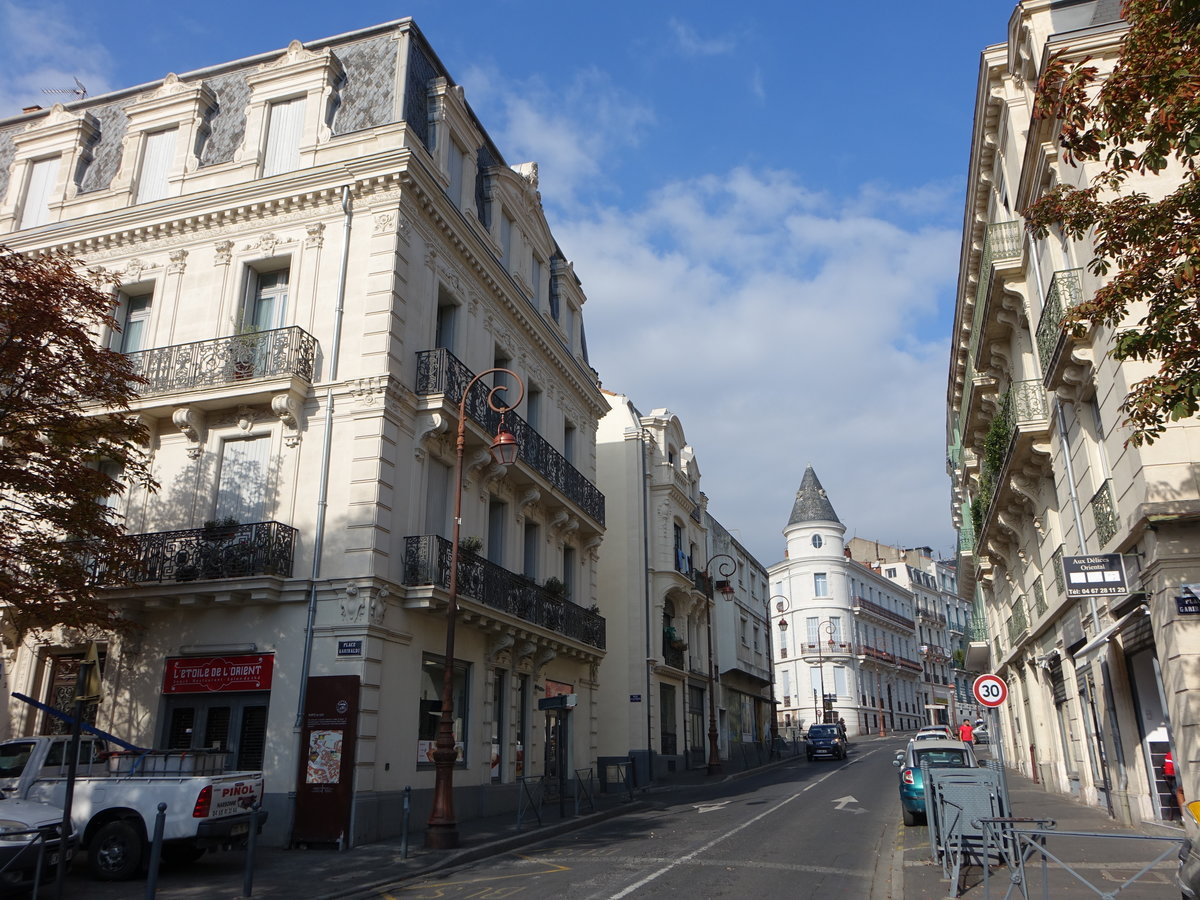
point(157, 157)
point(39, 191)
point(285, 126)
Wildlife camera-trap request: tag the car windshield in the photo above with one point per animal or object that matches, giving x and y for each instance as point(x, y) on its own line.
point(13, 757)
point(823, 731)
point(941, 758)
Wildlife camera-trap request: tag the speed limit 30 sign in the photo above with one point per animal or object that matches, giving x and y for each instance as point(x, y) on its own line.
point(990, 690)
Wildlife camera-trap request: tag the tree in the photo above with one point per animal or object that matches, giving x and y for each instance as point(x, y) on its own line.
point(1142, 117)
point(62, 432)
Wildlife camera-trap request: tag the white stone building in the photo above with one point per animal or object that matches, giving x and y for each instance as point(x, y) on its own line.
point(1101, 686)
point(677, 591)
point(846, 635)
point(317, 247)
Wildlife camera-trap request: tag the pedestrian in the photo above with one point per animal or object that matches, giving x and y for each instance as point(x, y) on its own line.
point(1172, 782)
point(966, 733)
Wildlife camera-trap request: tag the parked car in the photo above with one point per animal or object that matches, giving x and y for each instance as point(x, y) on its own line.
point(938, 754)
point(1188, 874)
point(825, 740)
point(30, 833)
point(982, 736)
point(940, 730)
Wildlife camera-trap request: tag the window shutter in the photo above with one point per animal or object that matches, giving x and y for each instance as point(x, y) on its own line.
point(242, 490)
point(43, 178)
point(156, 165)
point(284, 127)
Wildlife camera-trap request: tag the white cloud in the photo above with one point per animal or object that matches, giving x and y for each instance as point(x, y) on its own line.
point(568, 131)
point(45, 48)
point(779, 326)
point(691, 44)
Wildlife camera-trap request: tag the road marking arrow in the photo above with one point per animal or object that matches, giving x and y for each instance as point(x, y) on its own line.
point(842, 802)
point(709, 807)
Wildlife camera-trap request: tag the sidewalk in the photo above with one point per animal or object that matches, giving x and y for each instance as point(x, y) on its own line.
point(325, 874)
point(1103, 862)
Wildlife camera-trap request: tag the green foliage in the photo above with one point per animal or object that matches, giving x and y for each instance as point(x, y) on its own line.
point(1141, 119)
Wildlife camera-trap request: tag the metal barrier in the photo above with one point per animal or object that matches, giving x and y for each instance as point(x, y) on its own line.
point(585, 790)
point(1029, 843)
point(956, 801)
point(532, 795)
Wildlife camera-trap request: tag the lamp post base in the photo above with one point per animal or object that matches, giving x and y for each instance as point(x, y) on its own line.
point(441, 837)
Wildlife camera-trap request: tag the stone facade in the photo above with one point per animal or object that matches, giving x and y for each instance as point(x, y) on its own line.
point(1102, 685)
point(334, 249)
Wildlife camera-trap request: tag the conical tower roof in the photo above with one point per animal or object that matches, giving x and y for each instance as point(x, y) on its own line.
point(812, 505)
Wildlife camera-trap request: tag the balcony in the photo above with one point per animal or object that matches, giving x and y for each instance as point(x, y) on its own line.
point(427, 563)
point(930, 618)
point(441, 372)
point(242, 360)
point(672, 656)
point(1066, 292)
point(205, 554)
point(1002, 243)
point(860, 605)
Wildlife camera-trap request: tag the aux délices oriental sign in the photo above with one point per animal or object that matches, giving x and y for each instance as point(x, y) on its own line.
point(216, 674)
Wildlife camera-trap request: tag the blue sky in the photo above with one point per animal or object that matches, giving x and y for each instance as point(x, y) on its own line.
point(763, 200)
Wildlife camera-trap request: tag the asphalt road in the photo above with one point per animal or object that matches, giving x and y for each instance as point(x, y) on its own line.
point(820, 829)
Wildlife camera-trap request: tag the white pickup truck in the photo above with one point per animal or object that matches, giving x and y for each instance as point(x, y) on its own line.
point(117, 795)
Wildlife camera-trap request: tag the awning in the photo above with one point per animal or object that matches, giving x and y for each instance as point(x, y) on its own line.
point(1103, 637)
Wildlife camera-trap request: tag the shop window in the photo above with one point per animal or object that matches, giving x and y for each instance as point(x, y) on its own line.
point(430, 707)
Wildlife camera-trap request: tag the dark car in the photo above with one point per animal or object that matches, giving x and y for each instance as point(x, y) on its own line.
point(825, 740)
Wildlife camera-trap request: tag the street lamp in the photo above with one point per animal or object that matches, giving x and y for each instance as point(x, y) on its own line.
point(829, 627)
point(442, 828)
point(725, 569)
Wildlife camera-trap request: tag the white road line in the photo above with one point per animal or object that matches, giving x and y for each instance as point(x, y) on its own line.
point(762, 815)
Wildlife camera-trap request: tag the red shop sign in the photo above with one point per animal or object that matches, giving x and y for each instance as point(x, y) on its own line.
point(213, 674)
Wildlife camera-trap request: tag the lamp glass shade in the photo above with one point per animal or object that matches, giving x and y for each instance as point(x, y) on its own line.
point(504, 448)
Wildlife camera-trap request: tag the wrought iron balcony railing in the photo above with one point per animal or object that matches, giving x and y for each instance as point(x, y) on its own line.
point(861, 604)
point(280, 352)
point(1066, 291)
point(427, 562)
point(1104, 511)
point(202, 554)
point(672, 656)
point(441, 372)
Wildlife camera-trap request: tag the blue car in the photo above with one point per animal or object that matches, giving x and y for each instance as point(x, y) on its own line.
point(936, 754)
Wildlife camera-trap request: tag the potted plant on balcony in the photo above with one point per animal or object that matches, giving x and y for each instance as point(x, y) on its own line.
point(244, 350)
point(673, 638)
point(557, 587)
point(221, 529)
point(471, 544)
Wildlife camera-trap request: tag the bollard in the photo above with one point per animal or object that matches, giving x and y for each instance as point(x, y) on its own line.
point(404, 827)
point(160, 822)
point(251, 844)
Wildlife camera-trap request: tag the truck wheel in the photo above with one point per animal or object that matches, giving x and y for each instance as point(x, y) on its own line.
point(115, 853)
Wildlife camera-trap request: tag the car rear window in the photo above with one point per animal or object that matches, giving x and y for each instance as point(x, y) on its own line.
point(941, 758)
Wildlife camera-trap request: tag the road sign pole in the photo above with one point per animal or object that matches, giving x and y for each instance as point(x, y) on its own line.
point(998, 740)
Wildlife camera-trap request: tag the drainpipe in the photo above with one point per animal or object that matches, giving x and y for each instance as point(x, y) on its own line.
point(646, 599)
point(323, 487)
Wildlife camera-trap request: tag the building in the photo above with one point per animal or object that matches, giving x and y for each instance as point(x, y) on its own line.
point(1101, 685)
point(846, 634)
point(688, 652)
point(318, 249)
point(743, 645)
point(941, 617)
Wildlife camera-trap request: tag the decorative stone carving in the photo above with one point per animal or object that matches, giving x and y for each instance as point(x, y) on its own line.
point(224, 252)
point(133, 270)
point(267, 243)
point(246, 416)
point(377, 605)
point(385, 223)
point(498, 645)
point(192, 423)
point(543, 658)
point(592, 547)
point(353, 604)
point(287, 407)
point(178, 262)
point(315, 235)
